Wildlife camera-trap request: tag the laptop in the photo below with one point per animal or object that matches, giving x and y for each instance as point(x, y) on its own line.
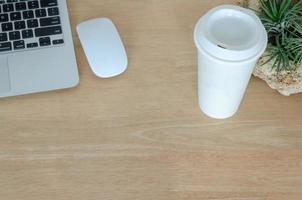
point(36, 47)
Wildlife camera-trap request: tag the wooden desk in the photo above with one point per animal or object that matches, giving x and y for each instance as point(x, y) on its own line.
point(141, 135)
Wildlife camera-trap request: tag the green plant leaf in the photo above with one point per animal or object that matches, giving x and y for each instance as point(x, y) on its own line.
point(282, 20)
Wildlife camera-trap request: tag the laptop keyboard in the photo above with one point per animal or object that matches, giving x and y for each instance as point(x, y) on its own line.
point(29, 24)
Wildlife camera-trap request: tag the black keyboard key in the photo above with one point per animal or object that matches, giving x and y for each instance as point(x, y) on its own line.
point(3, 18)
point(20, 6)
point(27, 34)
point(33, 4)
point(32, 45)
point(19, 25)
point(28, 14)
point(11, 1)
point(40, 13)
point(7, 26)
point(8, 7)
point(15, 35)
point(53, 30)
point(44, 41)
point(15, 16)
point(53, 11)
point(19, 45)
point(6, 46)
point(56, 42)
point(32, 23)
point(49, 3)
point(3, 37)
point(50, 21)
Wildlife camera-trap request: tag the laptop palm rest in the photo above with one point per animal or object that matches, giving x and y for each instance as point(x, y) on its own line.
point(4, 76)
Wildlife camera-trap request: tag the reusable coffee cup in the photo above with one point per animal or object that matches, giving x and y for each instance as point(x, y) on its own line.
point(230, 40)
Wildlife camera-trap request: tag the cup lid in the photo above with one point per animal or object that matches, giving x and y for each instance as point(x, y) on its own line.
point(231, 33)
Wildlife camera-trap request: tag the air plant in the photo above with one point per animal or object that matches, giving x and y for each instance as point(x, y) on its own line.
point(282, 20)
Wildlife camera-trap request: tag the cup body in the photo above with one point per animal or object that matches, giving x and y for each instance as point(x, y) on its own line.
point(221, 85)
point(229, 41)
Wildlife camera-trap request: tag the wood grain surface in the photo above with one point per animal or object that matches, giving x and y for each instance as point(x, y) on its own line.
point(141, 135)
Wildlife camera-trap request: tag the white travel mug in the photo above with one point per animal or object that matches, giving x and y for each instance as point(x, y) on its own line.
point(230, 40)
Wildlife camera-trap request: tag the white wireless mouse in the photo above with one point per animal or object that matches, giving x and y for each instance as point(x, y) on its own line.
point(103, 47)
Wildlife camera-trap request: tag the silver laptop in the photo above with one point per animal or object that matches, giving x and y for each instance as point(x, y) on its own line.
point(36, 47)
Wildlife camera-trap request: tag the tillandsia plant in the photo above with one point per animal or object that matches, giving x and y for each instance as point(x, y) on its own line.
point(283, 22)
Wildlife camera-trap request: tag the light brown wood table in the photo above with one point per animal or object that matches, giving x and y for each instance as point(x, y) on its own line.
point(141, 135)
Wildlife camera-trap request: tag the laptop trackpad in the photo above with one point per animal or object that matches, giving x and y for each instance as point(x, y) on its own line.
point(4, 75)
